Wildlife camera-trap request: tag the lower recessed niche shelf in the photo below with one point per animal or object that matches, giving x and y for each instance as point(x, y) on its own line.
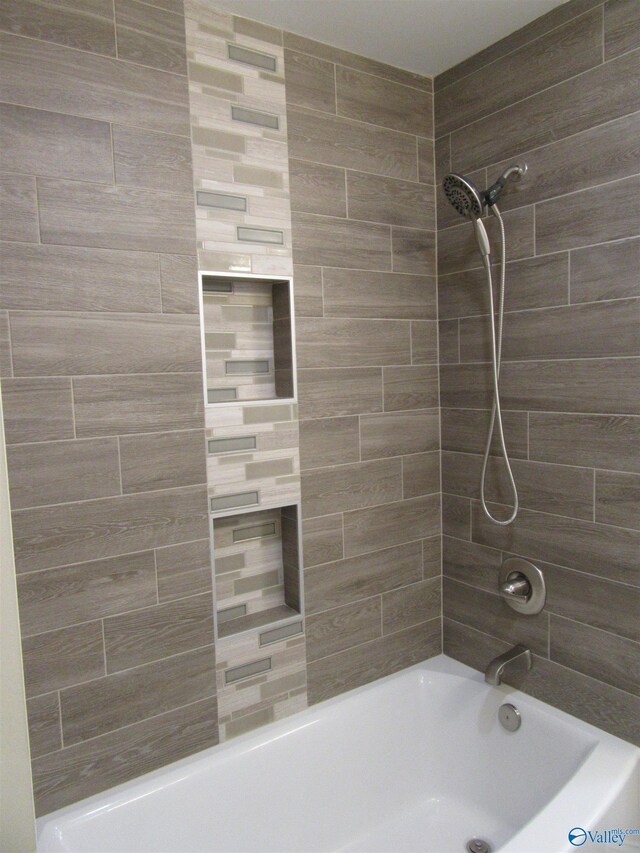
point(257, 569)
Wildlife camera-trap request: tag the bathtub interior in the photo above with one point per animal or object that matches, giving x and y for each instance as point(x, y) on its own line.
point(415, 761)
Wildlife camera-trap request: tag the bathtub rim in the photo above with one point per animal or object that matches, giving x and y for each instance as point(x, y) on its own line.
point(609, 756)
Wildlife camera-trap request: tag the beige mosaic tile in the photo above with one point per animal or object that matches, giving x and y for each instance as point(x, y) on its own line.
point(267, 696)
point(239, 135)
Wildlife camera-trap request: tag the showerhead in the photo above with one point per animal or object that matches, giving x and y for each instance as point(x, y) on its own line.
point(468, 200)
point(463, 195)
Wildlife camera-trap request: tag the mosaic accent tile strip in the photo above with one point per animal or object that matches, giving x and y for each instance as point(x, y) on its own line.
point(267, 696)
point(272, 469)
point(239, 134)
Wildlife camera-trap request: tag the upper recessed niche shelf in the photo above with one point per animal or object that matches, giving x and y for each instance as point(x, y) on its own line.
point(247, 338)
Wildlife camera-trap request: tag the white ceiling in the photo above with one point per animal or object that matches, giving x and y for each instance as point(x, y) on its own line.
point(425, 36)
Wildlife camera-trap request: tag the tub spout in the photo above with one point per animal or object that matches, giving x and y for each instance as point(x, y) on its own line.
point(516, 659)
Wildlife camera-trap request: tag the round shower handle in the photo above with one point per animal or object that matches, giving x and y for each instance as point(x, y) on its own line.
point(522, 586)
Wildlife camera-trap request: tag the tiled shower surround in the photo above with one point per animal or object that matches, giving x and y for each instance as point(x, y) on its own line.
point(113, 465)
point(561, 94)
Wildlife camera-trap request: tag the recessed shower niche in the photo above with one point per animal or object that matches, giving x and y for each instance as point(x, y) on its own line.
point(257, 569)
point(247, 338)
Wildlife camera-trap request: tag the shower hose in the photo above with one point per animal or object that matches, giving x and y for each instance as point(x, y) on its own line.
point(496, 352)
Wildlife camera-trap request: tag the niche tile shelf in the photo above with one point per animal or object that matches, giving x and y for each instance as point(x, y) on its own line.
point(248, 338)
point(257, 569)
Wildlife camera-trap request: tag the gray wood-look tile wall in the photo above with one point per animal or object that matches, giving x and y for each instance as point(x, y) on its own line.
point(102, 386)
point(363, 208)
point(562, 94)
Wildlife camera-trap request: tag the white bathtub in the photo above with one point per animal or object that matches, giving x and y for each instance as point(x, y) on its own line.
point(414, 762)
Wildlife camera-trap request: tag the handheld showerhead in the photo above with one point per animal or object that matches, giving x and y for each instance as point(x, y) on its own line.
point(463, 195)
point(468, 200)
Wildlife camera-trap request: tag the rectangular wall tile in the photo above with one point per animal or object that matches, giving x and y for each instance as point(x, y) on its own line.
point(108, 405)
point(377, 199)
point(347, 487)
point(572, 221)
point(158, 632)
point(162, 461)
point(72, 594)
point(86, 26)
point(399, 433)
point(66, 278)
point(59, 344)
point(84, 84)
point(552, 333)
point(367, 530)
point(355, 578)
point(383, 102)
point(328, 241)
point(354, 343)
point(595, 385)
point(351, 144)
point(328, 393)
point(603, 441)
point(57, 659)
point(63, 471)
point(353, 293)
point(58, 535)
point(121, 218)
point(38, 142)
